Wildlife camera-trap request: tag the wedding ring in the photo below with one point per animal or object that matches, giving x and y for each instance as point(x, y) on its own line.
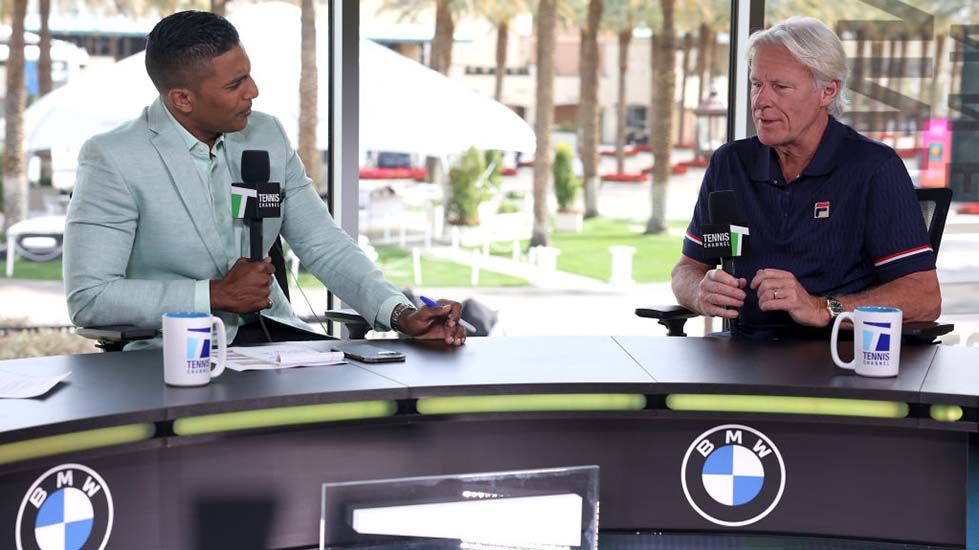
point(774, 293)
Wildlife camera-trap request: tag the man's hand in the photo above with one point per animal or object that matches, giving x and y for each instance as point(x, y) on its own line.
point(435, 323)
point(719, 291)
point(245, 289)
point(779, 290)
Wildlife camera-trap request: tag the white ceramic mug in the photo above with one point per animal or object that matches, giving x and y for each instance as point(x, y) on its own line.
point(876, 340)
point(187, 348)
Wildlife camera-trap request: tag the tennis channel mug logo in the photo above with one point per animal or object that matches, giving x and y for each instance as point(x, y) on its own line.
point(876, 343)
point(198, 350)
point(68, 508)
point(733, 475)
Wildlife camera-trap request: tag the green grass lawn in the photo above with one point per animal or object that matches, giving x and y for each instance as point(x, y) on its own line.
point(393, 261)
point(39, 271)
point(396, 264)
point(583, 253)
point(587, 254)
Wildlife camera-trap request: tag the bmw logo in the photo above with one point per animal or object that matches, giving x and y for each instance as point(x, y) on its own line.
point(733, 475)
point(68, 508)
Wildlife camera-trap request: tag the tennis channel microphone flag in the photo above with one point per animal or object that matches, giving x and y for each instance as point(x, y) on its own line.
point(725, 241)
point(726, 236)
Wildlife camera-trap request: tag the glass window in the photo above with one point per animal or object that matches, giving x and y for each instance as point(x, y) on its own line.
point(459, 224)
point(914, 73)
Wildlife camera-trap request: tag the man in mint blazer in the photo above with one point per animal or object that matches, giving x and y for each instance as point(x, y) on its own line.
point(150, 228)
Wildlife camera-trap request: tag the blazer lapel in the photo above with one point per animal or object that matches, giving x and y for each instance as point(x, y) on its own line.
point(187, 180)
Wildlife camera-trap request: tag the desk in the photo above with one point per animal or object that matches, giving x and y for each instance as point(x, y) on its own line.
point(862, 458)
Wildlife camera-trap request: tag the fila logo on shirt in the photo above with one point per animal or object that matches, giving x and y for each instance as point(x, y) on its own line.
point(821, 210)
point(68, 508)
point(733, 475)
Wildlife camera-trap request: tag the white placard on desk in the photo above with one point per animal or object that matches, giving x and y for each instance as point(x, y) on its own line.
point(20, 386)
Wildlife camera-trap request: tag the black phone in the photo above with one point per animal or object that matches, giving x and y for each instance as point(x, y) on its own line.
point(369, 354)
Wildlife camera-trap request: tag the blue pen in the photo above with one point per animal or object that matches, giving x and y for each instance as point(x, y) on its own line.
point(432, 303)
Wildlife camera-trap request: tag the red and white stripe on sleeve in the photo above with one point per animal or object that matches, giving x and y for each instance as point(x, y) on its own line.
point(901, 255)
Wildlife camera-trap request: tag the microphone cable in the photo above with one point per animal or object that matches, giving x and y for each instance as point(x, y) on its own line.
point(295, 280)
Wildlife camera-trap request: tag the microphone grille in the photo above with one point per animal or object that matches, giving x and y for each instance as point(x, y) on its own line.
point(255, 166)
point(722, 207)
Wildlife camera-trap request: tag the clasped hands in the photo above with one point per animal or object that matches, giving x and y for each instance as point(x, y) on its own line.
point(246, 289)
point(777, 290)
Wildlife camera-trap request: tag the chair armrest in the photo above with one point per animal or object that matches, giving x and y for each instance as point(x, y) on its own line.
point(672, 316)
point(115, 337)
point(355, 324)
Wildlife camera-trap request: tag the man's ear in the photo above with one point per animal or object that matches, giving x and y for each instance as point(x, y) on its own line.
point(181, 99)
point(829, 92)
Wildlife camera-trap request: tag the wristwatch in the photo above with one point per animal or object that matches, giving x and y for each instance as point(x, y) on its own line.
point(397, 312)
point(834, 307)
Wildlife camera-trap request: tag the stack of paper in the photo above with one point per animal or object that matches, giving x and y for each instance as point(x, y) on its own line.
point(19, 386)
point(280, 356)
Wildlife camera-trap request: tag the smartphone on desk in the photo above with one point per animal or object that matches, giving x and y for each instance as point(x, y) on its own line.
point(367, 353)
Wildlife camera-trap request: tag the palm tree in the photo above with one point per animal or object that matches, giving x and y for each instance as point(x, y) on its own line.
point(499, 13)
point(45, 83)
point(588, 106)
point(14, 178)
point(308, 110)
point(442, 41)
point(446, 12)
point(622, 17)
point(546, 21)
point(664, 88)
point(686, 44)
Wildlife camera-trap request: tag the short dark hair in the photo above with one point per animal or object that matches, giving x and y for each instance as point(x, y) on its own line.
point(180, 45)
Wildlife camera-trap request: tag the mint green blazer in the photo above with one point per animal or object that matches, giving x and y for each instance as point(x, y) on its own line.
point(140, 231)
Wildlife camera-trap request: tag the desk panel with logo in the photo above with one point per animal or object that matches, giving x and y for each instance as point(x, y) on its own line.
point(690, 435)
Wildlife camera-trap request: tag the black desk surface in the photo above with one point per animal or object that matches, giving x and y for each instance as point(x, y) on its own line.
point(114, 388)
point(515, 365)
point(106, 389)
point(719, 365)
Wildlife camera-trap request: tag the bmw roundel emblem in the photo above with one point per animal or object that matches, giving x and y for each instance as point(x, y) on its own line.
point(68, 508)
point(733, 475)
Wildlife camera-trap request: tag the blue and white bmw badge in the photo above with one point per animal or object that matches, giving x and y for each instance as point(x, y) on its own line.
point(68, 508)
point(733, 475)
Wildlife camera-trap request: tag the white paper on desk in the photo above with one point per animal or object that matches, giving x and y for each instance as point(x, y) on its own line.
point(19, 386)
point(280, 356)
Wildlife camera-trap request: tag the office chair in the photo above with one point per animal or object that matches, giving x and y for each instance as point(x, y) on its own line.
point(116, 337)
point(934, 205)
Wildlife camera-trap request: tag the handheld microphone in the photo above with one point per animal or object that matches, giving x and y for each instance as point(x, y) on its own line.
point(726, 237)
point(256, 198)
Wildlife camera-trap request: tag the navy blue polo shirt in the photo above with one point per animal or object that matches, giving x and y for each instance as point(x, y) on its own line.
point(849, 222)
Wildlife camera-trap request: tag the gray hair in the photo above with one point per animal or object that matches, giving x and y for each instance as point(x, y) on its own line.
point(814, 45)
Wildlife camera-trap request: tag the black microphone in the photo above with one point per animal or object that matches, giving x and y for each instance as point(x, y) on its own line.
point(259, 198)
point(722, 210)
point(726, 237)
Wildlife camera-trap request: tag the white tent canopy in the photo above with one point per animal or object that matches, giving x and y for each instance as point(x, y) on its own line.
point(404, 106)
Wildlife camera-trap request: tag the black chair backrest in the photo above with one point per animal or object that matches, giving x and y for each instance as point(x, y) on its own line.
point(934, 203)
point(279, 263)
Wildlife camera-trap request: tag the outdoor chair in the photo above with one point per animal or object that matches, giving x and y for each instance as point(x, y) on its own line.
point(934, 204)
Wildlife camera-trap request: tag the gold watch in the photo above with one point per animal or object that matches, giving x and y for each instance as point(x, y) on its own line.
point(834, 307)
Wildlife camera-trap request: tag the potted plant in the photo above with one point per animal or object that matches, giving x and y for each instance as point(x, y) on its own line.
point(467, 193)
point(566, 186)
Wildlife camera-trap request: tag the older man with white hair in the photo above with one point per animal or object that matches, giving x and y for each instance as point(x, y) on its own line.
point(833, 217)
